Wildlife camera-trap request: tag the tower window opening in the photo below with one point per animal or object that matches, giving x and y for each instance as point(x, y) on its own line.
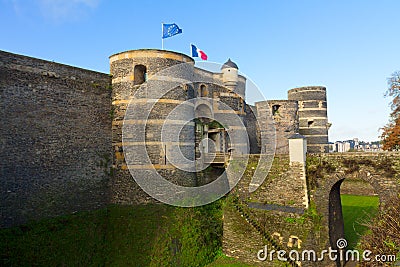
point(310, 123)
point(140, 73)
point(203, 91)
point(275, 109)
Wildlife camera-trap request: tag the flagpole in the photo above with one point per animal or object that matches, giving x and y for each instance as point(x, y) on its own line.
point(162, 39)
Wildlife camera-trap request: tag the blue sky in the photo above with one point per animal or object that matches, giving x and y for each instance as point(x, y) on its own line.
point(351, 47)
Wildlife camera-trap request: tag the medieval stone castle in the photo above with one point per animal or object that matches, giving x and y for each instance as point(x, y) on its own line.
point(62, 127)
point(72, 138)
point(305, 112)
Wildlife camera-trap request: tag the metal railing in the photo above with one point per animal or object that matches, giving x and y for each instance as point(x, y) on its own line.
point(216, 158)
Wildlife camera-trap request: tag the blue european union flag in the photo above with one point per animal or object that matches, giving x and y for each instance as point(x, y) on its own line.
point(170, 30)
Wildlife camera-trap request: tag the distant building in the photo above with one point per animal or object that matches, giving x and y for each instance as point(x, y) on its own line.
point(356, 145)
point(342, 146)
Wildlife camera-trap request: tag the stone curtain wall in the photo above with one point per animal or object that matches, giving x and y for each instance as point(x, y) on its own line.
point(273, 215)
point(285, 115)
point(282, 187)
point(252, 127)
point(55, 139)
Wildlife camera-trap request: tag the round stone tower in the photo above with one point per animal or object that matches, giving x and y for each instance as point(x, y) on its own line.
point(147, 84)
point(313, 118)
point(231, 79)
point(230, 74)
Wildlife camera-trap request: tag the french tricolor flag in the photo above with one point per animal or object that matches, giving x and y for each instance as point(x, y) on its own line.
point(198, 53)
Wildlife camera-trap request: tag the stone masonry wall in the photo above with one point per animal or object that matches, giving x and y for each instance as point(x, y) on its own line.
point(284, 185)
point(272, 216)
point(55, 139)
point(253, 131)
point(284, 113)
point(313, 117)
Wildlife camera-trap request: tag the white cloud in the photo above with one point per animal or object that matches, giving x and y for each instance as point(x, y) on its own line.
point(56, 10)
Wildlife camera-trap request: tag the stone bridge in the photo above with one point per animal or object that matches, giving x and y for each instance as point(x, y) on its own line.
point(275, 214)
point(327, 173)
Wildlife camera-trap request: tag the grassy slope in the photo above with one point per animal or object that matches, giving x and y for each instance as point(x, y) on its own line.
point(131, 233)
point(147, 235)
point(356, 211)
point(224, 261)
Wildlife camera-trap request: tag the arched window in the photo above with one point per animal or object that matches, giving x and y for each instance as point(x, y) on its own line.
point(140, 73)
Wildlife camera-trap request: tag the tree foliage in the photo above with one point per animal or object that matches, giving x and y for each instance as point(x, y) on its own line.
point(383, 237)
point(391, 132)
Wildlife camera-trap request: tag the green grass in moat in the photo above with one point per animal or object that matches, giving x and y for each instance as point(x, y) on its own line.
point(357, 210)
point(139, 235)
point(145, 235)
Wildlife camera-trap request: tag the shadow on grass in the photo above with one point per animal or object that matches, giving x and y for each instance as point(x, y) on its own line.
point(357, 210)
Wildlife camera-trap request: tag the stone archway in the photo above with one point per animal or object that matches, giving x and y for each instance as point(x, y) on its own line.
point(203, 110)
point(338, 227)
point(333, 194)
point(379, 171)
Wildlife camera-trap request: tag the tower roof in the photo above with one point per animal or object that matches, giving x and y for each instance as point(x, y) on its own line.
point(229, 64)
